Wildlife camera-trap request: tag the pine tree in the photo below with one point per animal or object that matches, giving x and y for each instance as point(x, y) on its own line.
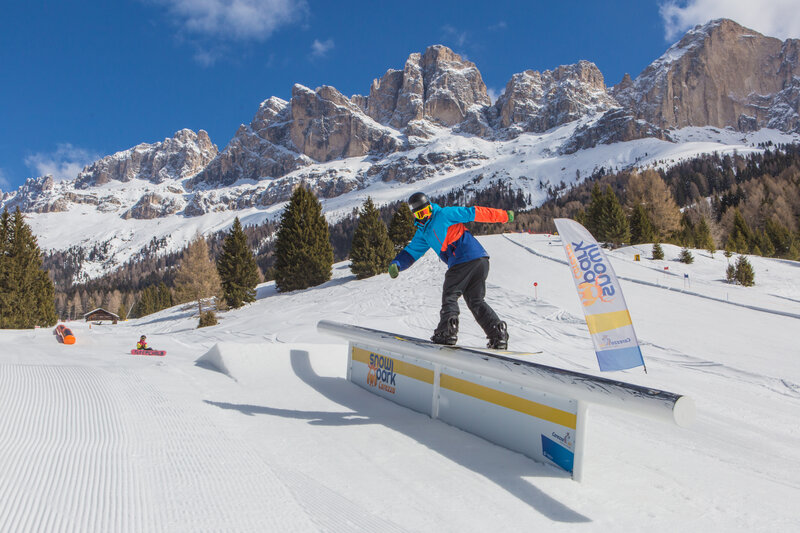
point(5, 270)
point(744, 272)
point(741, 236)
point(658, 251)
point(764, 244)
point(593, 218)
point(730, 273)
point(686, 257)
point(702, 236)
point(146, 303)
point(642, 229)
point(401, 227)
point(197, 277)
point(372, 249)
point(303, 251)
point(617, 230)
point(729, 249)
point(780, 237)
point(237, 268)
point(163, 297)
point(686, 233)
point(26, 291)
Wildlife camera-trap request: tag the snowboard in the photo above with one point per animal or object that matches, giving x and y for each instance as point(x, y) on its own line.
point(510, 353)
point(490, 350)
point(148, 352)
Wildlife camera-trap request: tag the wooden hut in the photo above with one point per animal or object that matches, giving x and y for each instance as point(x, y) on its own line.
point(100, 314)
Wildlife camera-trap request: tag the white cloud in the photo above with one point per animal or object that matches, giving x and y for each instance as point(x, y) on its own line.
point(321, 48)
point(494, 94)
point(63, 164)
point(234, 19)
point(775, 18)
point(456, 36)
point(206, 57)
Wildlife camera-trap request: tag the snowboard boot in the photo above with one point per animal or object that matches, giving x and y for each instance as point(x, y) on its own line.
point(446, 332)
point(498, 337)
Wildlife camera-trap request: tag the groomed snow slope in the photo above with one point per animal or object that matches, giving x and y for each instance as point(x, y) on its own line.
point(94, 439)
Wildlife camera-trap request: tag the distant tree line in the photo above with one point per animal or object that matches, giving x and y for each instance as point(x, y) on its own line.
point(742, 204)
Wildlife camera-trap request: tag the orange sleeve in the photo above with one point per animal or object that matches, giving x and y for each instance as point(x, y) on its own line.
point(489, 214)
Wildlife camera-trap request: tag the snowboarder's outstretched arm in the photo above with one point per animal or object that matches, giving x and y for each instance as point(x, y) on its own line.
point(490, 214)
point(406, 257)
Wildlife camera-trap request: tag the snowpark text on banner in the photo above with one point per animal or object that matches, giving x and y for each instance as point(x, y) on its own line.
point(604, 305)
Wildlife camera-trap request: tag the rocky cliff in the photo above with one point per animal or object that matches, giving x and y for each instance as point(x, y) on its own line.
point(536, 102)
point(181, 156)
point(720, 74)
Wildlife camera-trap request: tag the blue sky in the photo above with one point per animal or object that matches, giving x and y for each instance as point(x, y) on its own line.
point(81, 80)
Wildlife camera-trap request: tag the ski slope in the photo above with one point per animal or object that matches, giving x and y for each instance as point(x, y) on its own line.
point(271, 437)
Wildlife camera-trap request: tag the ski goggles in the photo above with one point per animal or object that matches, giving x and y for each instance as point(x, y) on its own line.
point(423, 213)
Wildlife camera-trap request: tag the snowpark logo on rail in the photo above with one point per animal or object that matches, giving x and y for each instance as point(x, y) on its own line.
point(589, 264)
point(381, 373)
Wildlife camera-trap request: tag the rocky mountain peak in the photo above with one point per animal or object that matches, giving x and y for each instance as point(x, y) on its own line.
point(437, 85)
point(719, 74)
point(181, 156)
point(327, 125)
point(537, 101)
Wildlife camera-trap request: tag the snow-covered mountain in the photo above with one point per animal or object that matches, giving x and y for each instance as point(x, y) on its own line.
point(430, 126)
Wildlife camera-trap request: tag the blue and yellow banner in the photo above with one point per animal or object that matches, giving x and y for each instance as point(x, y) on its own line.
point(601, 295)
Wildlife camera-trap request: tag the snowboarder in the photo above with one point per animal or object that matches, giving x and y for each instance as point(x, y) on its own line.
point(442, 228)
point(142, 344)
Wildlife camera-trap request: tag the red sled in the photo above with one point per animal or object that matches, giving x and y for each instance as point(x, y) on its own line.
point(148, 352)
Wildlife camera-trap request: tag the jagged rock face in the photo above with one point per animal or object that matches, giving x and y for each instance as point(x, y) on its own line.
point(720, 74)
point(425, 165)
point(452, 86)
point(326, 125)
point(178, 157)
point(153, 205)
point(257, 151)
point(28, 197)
point(438, 85)
point(615, 125)
point(783, 111)
point(536, 102)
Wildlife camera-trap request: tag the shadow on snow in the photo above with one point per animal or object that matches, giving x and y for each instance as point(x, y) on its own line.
point(366, 408)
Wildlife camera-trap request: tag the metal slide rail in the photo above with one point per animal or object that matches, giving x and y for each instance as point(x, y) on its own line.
point(472, 382)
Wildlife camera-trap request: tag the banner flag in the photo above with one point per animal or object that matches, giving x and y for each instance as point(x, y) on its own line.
point(601, 295)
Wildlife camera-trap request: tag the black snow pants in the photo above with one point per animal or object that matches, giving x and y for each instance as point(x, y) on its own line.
point(467, 279)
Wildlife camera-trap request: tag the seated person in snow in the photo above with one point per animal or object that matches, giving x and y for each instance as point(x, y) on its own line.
point(142, 344)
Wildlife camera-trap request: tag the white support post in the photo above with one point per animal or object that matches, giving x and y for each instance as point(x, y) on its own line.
point(349, 360)
point(580, 441)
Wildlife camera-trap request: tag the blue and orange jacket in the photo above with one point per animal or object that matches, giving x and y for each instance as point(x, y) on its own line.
point(445, 233)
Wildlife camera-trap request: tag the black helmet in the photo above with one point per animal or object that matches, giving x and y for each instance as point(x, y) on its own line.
point(142, 337)
point(417, 201)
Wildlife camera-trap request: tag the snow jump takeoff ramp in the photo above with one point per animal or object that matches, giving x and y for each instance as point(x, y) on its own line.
point(527, 407)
